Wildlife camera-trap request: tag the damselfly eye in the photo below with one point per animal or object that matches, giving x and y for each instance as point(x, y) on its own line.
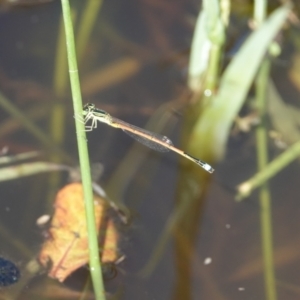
point(89, 106)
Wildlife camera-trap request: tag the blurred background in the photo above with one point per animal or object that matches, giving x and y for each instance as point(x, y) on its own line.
point(186, 236)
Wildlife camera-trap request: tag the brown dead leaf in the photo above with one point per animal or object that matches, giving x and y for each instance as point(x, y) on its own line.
point(66, 249)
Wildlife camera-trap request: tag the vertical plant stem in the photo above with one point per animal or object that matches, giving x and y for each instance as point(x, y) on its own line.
point(264, 193)
point(216, 35)
point(95, 267)
point(260, 10)
point(213, 69)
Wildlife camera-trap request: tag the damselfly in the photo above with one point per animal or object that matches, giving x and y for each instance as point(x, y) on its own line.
point(150, 139)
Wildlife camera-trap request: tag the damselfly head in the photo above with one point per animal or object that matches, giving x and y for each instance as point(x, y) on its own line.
point(89, 107)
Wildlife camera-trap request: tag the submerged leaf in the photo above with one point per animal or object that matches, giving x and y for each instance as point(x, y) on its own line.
point(66, 249)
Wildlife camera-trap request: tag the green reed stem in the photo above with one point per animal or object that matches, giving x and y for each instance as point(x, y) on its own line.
point(260, 10)
point(264, 192)
point(95, 265)
point(275, 166)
